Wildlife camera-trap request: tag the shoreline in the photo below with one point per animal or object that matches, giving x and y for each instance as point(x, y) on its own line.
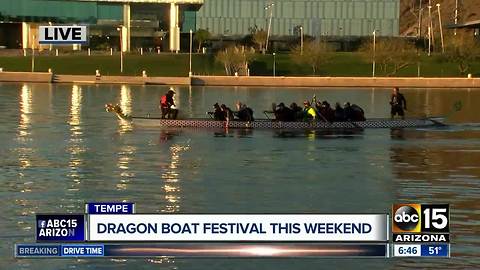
point(244, 81)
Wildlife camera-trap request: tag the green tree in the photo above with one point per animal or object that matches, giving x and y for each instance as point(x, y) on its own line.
point(201, 35)
point(235, 59)
point(314, 54)
point(391, 54)
point(462, 50)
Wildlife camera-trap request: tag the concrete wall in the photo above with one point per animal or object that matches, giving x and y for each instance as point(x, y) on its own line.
point(121, 80)
point(382, 82)
point(26, 77)
point(336, 82)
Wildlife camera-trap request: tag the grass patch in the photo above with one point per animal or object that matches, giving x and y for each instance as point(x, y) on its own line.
point(177, 65)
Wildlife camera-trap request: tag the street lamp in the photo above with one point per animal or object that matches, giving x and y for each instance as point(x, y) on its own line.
point(441, 28)
point(430, 23)
point(374, 52)
point(269, 7)
point(420, 13)
point(456, 17)
point(274, 64)
point(429, 41)
point(121, 48)
point(301, 40)
point(33, 53)
point(191, 43)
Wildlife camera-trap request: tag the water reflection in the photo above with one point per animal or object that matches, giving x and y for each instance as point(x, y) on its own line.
point(127, 151)
point(234, 133)
point(320, 134)
point(170, 174)
point(372, 102)
point(190, 101)
point(24, 125)
point(76, 146)
point(24, 184)
point(125, 157)
point(171, 185)
point(441, 171)
point(126, 105)
point(168, 134)
point(438, 102)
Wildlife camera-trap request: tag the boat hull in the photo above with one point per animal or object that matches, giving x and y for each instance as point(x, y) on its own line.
point(269, 124)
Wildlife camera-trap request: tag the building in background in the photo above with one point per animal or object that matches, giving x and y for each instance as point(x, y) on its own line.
point(317, 17)
point(473, 26)
point(137, 22)
point(159, 23)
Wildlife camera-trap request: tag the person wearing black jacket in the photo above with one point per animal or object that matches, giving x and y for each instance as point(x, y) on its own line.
point(244, 113)
point(218, 114)
point(398, 103)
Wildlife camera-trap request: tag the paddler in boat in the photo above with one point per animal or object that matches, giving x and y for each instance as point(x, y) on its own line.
point(358, 113)
point(297, 111)
point(167, 104)
point(309, 113)
point(339, 113)
point(218, 114)
point(227, 113)
point(398, 103)
point(244, 113)
point(283, 113)
point(327, 111)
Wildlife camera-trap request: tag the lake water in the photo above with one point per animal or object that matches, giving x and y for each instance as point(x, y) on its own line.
point(59, 149)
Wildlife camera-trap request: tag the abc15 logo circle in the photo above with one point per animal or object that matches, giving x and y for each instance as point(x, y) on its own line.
point(420, 218)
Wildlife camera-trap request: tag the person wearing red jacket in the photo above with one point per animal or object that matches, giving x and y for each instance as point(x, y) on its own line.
point(167, 105)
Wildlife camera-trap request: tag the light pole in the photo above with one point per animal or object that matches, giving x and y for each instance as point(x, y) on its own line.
point(190, 61)
point(33, 53)
point(456, 17)
point(430, 23)
point(429, 41)
point(441, 28)
point(420, 13)
point(121, 48)
point(301, 40)
point(269, 7)
point(274, 64)
point(374, 52)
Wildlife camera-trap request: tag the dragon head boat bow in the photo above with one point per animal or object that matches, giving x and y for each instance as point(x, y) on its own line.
point(118, 111)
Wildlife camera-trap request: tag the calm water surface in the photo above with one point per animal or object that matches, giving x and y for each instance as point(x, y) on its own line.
point(59, 148)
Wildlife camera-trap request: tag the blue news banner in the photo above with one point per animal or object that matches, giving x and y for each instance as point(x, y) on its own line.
point(111, 208)
point(60, 228)
point(56, 250)
point(435, 250)
point(66, 236)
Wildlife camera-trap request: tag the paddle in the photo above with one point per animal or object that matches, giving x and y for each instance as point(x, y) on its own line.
point(274, 106)
point(314, 104)
point(457, 106)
